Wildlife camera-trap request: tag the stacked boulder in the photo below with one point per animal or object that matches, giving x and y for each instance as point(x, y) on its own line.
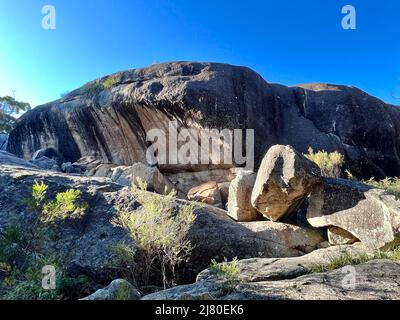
point(283, 182)
point(286, 181)
point(354, 211)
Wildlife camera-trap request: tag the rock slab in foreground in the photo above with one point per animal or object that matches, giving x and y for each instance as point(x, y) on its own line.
point(284, 180)
point(7, 158)
point(368, 214)
point(289, 279)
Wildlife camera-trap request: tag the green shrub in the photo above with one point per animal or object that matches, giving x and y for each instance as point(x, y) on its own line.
point(93, 88)
point(329, 163)
point(27, 284)
point(21, 256)
point(395, 254)
point(159, 231)
point(125, 261)
point(64, 206)
point(109, 83)
point(227, 271)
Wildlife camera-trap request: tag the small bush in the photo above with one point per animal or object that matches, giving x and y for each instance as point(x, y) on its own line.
point(395, 254)
point(391, 185)
point(109, 83)
point(21, 256)
point(64, 206)
point(329, 163)
point(160, 232)
point(227, 271)
point(27, 284)
point(125, 261)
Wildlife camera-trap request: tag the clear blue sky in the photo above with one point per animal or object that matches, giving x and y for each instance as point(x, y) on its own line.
point(286, 41)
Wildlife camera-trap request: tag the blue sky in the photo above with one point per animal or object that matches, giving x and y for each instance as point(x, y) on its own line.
point(286, 41)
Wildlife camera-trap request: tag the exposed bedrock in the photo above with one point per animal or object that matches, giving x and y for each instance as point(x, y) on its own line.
point(110, 123)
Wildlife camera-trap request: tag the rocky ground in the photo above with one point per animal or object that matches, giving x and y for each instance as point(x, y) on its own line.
point(279, 259)
point(291, 279)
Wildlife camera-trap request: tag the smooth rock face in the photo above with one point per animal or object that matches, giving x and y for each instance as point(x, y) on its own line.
point(290, 279)
point(87, 163)
point(272, 269)
point(106, 170)
point(111, 124)
point(206, 193)
point(289, 236)
point(370, 215)
point(3, 141)
point(239, 199)
point(376, 280)
point(119, 289)
point(10, 159)
point(85, 245)
point(284, 180)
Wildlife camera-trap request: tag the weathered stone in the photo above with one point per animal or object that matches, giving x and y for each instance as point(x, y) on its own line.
point(375, 280)
point(46, 163)
point(290, 279)
point(284, 180)
point(155, 180)
point(117, 290)
point(12, 160)
point(271, 269)
point(291, 237)
point(103, 170)
point(49, 153)
point(239, 200)
point(338, 236)
point(370, 215)
point(68, 167)
point(87, 163)
point(207, 193)
point(117, 172)
point(185, 181)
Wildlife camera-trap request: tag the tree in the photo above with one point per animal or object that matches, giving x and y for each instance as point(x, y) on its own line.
point(9, 108)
